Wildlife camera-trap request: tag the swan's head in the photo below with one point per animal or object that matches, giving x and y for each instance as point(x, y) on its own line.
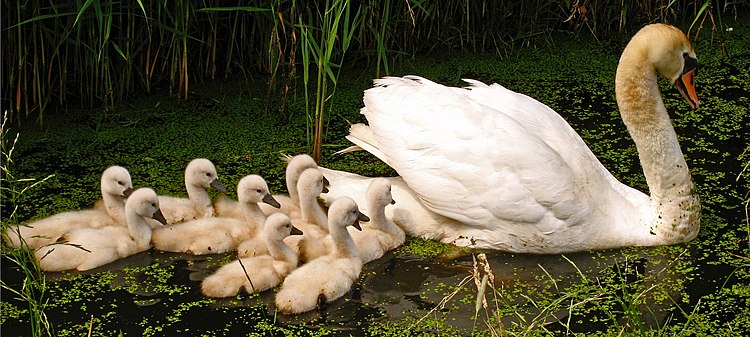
point(116, 181)
point(379, 192)
point(253, 189)
point(278, 226)
point(344, 212)
point(671, 54)
point(145, 203)
point(311, 183)
point(299, 164)
point(202, 173)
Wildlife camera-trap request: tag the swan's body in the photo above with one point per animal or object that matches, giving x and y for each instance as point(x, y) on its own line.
point(200, 174)
point(313, 220)
point(331, 276)
point(106, 244)
point(497, 169)
point(214, 235)
point(289, 203)
point(256, 274)
point(115, 186)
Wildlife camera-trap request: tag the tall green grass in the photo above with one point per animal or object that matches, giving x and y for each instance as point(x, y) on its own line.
point(322, 46)
point(32, 291)
point(95, 53)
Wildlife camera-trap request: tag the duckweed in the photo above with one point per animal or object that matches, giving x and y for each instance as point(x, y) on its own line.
point(699, 288)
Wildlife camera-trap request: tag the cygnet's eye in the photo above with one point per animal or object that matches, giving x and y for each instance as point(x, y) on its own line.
point(120, 183)
point(153, 204)
point(259, 191)
point(208, 174)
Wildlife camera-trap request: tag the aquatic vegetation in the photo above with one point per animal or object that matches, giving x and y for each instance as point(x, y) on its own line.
point(698, 288)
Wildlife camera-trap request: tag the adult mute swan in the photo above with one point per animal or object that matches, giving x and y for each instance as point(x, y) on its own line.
point(213, 235)
point(200, 174)
point(329, 277)
point(87, 248)
point(115, 186)
point(487, 167)
point(256, 274)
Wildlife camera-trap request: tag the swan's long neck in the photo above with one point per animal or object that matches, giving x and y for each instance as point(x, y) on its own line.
point(343, 244)
point(291, 186)
point(280, 251)
point(115, 206)
point(253, 213)
point(379, 220)
point(200, 199)
point(674, 202)
point(311, 212)
point(139, 230)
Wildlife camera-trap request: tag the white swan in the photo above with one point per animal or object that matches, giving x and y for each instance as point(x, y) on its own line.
point(87, 248)
point(256, 274)
point(497, 169)
point(313, 220)
point(115, 186)
point(200, 174)
point(215, 235)
point(331, 276)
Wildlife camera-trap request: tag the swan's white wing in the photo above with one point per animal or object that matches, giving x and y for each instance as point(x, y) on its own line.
point(478, 161)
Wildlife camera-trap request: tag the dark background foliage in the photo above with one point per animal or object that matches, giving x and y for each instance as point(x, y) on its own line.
point(60, 55)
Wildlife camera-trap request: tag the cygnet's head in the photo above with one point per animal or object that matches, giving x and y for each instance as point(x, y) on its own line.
point(253, 189)
point(278, 226)
point(344, 212)
point(145, 203)
point(201, 172)
point(116, 181)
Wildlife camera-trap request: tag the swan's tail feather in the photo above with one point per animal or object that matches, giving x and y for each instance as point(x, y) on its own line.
point(286, 158)
point(353, 148)
point(226, 282)
point(291, 300)
point(363, 137)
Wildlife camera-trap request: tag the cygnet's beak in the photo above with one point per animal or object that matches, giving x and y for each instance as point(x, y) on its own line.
point(296, 231)
point(217, 185)
point(360, 217)
point(127, 192)
point(159, 216)
point(269, 199)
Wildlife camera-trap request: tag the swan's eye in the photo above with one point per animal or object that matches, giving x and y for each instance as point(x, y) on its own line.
point(691, 63)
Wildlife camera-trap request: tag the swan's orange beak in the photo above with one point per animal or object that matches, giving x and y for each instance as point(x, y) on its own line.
point(686, 87)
